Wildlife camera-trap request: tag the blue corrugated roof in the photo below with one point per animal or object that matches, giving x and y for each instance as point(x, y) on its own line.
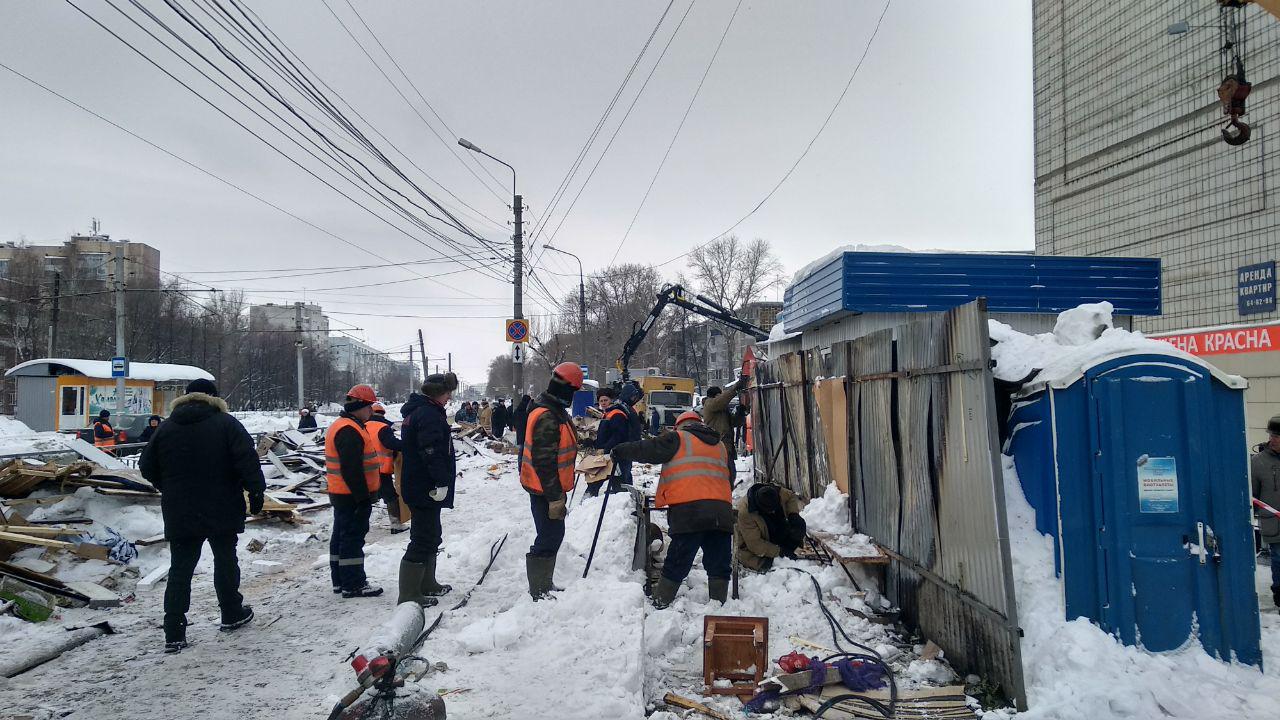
point(863, 282)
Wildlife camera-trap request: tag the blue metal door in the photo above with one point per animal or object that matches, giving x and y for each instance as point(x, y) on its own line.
point(1162, 575)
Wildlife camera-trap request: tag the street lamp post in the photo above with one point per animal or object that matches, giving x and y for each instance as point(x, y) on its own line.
point(582, 302)
point(517, 208)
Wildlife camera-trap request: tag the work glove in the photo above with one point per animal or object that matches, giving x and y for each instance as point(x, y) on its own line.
point(440, 493)
point(556, 510)
point(255, 503)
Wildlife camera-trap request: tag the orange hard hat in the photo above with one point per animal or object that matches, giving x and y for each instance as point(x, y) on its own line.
point(363, 393)
point(379, 408)
point(688, 415)
point(569, 372)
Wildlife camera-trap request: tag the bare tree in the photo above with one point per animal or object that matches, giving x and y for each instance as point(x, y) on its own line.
point(733, 272)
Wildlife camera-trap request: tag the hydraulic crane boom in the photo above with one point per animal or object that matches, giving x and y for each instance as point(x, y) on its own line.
point(675, 295)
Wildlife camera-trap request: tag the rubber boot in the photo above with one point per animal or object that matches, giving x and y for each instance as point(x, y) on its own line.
point(430, 587)
point(664, 593)
point(540, 570)
point(718, 589)
point(411, 584)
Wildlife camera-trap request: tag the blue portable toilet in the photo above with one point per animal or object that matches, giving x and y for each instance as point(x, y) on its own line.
point(1138, 467)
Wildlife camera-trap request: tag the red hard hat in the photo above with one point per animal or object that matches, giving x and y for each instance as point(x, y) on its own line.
point(688, 415)
point(363, 393)
point(569, 372)
point(379, 408)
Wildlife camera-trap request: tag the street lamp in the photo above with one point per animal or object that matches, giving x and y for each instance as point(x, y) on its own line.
point(582, 301)
point(517, 208)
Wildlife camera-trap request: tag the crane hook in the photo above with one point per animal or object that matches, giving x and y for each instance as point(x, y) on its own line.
point(1240, 135)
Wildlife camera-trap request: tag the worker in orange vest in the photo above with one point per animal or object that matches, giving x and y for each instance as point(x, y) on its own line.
point(103, 434)
point(351, 471)
point(696, 487)
point(384, 437)
point(547, 460)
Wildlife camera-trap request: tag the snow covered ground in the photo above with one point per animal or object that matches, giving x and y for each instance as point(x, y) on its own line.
point(597, 651)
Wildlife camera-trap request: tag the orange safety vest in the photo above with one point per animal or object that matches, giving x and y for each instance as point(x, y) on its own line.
point(612, 411)
point(106, 441)
point(386, 456)
point(333, 467)
point(566, 456)
point(699, 471)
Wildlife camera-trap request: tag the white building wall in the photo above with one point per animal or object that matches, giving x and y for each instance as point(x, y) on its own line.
point(1129, 160)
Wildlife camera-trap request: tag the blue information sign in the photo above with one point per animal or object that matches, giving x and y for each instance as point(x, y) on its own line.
point(119, 367)
point(1256, 288)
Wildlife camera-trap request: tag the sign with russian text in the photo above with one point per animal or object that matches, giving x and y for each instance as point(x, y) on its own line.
point(1227, 341)
point(1256, 288)
point(1157, 484)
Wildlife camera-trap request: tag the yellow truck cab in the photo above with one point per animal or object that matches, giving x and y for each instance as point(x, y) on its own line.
point(670, 395)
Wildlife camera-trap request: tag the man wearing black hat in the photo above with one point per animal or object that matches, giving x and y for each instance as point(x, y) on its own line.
point(103, 434)
point(203, 462)
point(429, 472)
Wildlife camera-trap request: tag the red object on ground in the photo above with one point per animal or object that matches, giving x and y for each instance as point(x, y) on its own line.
point(793, 662)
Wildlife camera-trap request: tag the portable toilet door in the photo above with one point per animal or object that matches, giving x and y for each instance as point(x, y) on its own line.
point(1175, 553)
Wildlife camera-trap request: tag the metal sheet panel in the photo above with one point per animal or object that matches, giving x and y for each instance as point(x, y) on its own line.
point(918, 282)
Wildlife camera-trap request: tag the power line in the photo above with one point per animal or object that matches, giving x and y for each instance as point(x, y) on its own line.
point(616, 130)
point(577, 162)
point(679, 127)
point(252, 132)
point(849, 83)
point(222, 180)
point(450, 146)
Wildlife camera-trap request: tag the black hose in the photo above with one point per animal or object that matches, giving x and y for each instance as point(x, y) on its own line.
point(837, 699)
point(868, 654)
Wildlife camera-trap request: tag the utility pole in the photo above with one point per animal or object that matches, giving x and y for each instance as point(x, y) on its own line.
point(119, 289)
point(450, 362)
point(411, 387)
point(297, 325)
point(422, 346)
point(53, 316)
point(518, 208)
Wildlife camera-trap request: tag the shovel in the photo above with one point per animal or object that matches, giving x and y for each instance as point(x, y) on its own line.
point(600, 522)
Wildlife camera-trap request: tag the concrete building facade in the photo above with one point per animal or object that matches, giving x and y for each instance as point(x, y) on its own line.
point(314, 323)
point(1129, 161)
point(89, 258)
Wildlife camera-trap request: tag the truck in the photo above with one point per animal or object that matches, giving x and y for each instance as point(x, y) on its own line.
point(670, 396)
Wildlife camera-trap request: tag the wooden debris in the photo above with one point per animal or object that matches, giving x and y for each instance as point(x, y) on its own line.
point(99, 597)
point(40, 530)
point(831, 544)
point(153, 577)
point(944, 703)
point(686, 703)
point(33, 540)
point(44, 582)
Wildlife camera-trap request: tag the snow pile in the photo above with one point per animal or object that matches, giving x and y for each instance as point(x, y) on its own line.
point(1082, 337)
point(1075, 670)
point(829, 513)
point(11, 428)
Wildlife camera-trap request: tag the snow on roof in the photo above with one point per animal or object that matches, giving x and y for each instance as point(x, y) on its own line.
point(822, 262)
point(1082, 338)
point(159, 372)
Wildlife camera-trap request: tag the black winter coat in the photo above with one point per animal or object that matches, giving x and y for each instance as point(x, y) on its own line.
point(501, 418)
point(307, 422)
point(614, 429)
point(427, 445)
point(690, 517)
point(521, 417)
point(202, 461)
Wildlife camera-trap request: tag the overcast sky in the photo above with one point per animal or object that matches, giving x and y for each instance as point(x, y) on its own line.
point(931, 147)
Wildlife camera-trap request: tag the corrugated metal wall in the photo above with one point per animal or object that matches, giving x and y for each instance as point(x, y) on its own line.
point(924, 474)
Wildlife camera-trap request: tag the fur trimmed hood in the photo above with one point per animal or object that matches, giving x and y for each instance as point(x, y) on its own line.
point(217, 403)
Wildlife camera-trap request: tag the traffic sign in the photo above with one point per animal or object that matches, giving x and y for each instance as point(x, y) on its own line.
point(518, 330)
point(586, 372)
point(119, 367)
point(517, 353)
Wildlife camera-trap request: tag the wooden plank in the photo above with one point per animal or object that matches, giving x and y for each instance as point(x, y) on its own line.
point(153, 540)
point(33, 540)
point(834, 412)
point(115, 492)
point(686, 703)
point(52, 500)
point(153, 577)
point(40, 530)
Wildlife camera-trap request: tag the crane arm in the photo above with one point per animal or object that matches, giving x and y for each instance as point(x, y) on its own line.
point(675, 295)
